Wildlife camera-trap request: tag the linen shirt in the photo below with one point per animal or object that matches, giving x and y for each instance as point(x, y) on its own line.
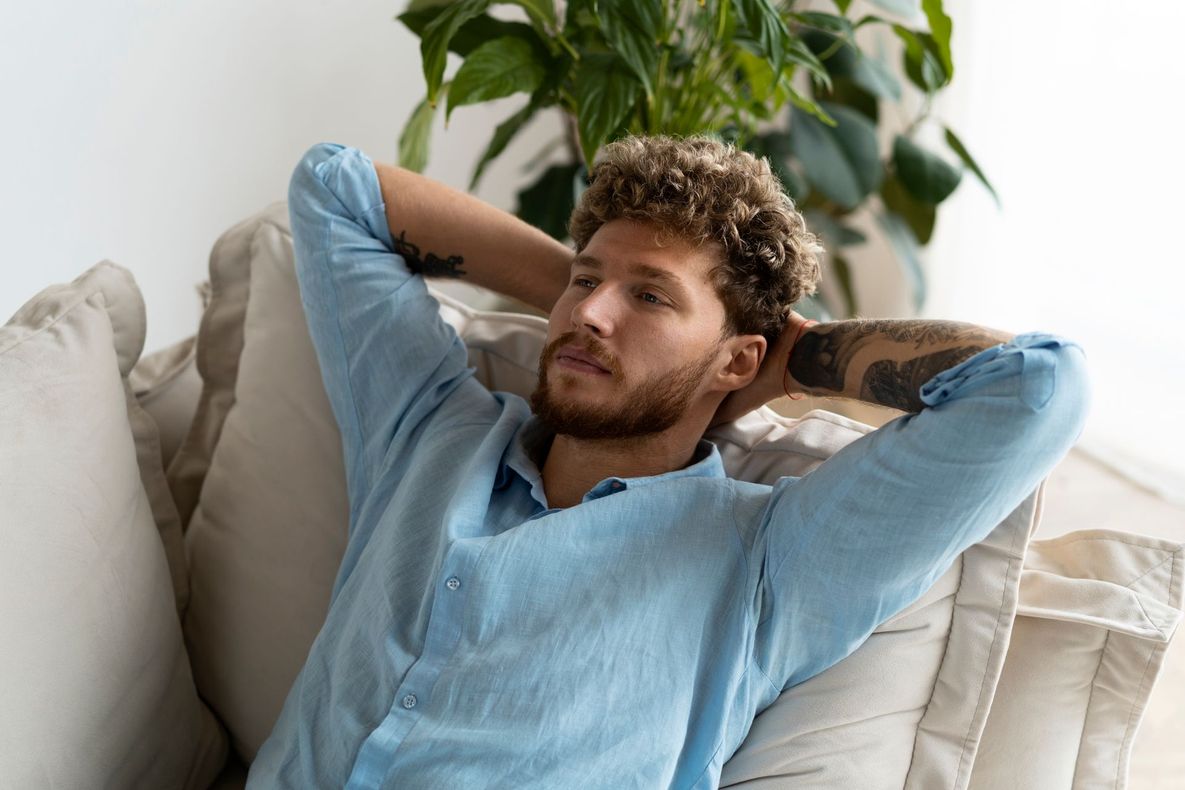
point(477, 637)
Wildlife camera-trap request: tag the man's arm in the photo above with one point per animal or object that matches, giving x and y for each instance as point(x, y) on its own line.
point(443, 232)
point(869, 530)
point(883, 361)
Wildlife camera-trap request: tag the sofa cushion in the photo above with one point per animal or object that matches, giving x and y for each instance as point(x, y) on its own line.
point(1105, 604)
point(167, 385)
point(94, 678)
point(269, 527)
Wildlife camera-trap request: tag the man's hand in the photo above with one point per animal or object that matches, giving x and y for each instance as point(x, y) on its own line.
point(771, 381)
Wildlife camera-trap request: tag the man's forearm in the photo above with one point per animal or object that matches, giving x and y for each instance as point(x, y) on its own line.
point(884, 361)
point(443, 232)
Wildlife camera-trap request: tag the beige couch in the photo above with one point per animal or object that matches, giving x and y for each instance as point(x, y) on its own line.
point(170, 527)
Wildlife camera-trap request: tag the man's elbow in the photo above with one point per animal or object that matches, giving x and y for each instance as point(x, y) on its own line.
point(1055, 388)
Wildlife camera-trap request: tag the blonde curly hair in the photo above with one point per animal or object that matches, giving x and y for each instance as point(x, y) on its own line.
point(701, 190)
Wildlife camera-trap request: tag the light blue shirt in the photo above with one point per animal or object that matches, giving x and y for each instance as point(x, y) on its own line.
point(479, 638)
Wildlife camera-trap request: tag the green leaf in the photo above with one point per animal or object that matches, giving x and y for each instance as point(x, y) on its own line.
point(765, 25)
point(940, 30)
point(848, 61)
point(957, 146)
point(835, 233)
point(413, 142)
point(841, 161)
point(436, 36)
point(923, 65)
point(842, 5)
point(828, 22)
point(809, 106)
point(502, 136)
point(632, 28)
point(775, 147)
point(876, 78)
point(846, 92)
point(843, 274)
point(919, 215)
point(547, 204)
point(799, 53)
point(756, 76)
point(495, 69)
point(606, 90)
point(905, 8)
point(905, 246)
point(540, 12)
point(927, 176)
point(471, 34)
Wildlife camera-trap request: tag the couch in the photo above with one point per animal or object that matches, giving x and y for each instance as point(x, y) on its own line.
point(171, 523)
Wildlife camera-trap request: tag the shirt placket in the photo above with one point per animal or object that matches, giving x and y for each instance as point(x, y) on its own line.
point(445, 622)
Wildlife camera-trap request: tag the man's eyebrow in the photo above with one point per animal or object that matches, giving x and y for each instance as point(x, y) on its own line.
point(644, 269)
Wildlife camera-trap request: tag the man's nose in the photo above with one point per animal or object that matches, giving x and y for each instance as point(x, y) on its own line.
point(597, 311)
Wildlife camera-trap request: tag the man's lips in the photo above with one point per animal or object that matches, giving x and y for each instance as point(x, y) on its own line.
point(576, 359)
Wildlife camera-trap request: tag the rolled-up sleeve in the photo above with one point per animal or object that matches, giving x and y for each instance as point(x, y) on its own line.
point(871, 529)
point(387, 358)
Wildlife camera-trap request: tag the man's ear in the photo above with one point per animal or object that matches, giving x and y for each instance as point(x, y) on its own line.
point(745, 355)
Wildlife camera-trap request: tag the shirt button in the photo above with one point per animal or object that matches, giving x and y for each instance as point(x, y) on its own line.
point(453, 583)
point(409, 701)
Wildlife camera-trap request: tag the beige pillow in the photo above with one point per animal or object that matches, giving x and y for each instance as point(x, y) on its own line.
point(95, 684)
point(268, 531)
point(1097, 609)
point(167, 385)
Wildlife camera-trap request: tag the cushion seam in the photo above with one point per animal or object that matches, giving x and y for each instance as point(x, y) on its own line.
point(65, 312)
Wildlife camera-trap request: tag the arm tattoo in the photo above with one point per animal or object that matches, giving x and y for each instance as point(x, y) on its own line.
point(896, 357)
point(896, 384)
point(433, 265)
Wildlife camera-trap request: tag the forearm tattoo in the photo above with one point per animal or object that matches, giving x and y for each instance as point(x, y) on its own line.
point(904, 355)
point(433, 265)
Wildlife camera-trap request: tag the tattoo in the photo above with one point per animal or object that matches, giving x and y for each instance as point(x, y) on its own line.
point(896, 357)
point(896, 384)
point(433, 265)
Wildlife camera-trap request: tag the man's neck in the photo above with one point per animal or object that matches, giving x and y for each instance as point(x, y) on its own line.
point(574, 466)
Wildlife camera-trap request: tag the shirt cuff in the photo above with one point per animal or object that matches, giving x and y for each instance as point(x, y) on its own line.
point(999, 361)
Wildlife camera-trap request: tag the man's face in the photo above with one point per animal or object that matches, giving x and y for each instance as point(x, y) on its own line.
point(634, 339)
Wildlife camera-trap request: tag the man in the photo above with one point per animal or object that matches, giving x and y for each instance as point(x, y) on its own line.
point(578, 597)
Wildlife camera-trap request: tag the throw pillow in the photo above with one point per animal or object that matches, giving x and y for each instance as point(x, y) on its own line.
point(95, 684)
point(1105, 604)
point(167, 386)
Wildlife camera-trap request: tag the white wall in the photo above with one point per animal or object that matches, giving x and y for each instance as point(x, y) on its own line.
point(140, 131)
point(1074, 111)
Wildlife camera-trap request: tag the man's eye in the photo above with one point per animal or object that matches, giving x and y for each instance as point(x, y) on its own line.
point(650, 298)
point(583, 282)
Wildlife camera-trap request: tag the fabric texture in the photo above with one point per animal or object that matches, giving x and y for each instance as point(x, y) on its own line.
point(1097, 610)
point(992, 368)
point(95, 684)
point(167, 385)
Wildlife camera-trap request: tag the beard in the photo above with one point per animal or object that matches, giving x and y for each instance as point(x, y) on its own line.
point(650, 407)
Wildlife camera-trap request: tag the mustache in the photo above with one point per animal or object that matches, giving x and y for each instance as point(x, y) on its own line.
point(590, 346)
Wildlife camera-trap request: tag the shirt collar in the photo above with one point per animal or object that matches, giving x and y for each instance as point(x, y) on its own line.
point(531, 442)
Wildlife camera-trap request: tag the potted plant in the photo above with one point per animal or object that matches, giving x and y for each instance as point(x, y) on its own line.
point(785, 82)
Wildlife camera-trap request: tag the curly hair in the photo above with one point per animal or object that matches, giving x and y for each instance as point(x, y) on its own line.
point(700, 190)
